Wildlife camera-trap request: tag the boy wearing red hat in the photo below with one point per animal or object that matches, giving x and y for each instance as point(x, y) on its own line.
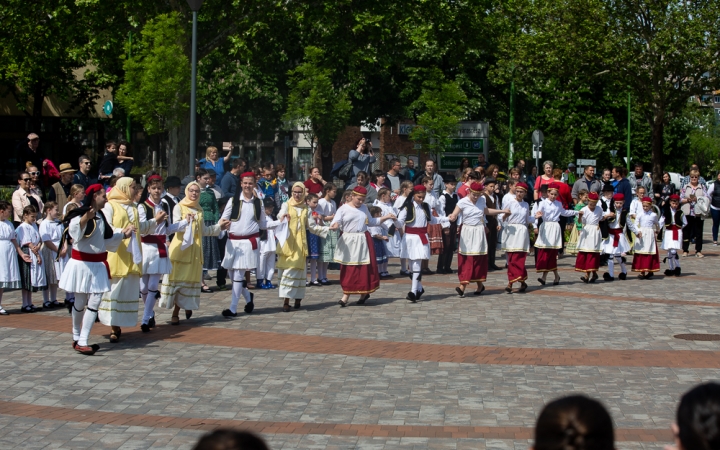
point(516, 239)
point(645, 252)
point(589, 244)
point(672, 241)
point(616, 245)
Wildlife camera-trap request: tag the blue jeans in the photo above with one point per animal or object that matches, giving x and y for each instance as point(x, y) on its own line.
point(715, 213)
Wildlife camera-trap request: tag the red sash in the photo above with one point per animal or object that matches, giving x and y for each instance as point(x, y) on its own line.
point(252, 238)
point(675, 230)
point(158, 240)
point(92, 257)
point(418, 231)
point(616, 233)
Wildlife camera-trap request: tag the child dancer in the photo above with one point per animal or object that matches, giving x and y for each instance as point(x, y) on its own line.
point(155, 261)
point(472, 254)
point(516, 238)
point(406, 190)
point(9, 252)
point(54, 258)
point(268, 247)
point(646, 259)
point(672, 241)
point(616, 245)
point(549, 239)
point(590, 242)
point(435, 230)
point(327, 244)
point(393, 245)
point(447, 203)
point(32, 275)
point(379, 238)
point(313, 240)
point(415, 215)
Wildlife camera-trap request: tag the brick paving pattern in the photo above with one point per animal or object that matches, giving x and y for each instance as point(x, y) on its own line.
point(443, 373)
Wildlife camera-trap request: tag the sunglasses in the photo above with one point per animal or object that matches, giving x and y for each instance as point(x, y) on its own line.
point(25, 179)
point(34, 173)
point(86, 162)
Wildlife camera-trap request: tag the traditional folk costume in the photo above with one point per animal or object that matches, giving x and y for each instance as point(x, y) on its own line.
point(549, 238)
point(119, 307)
point(472, 252)
point(292, 254)
point(355, 251)
point(9, 270)
point(87, 273)
point(416, 218)
point(672, 241)
point(268, 248)
point(615, 245)
point(52, 230)
point(181, 287)
point(399, 202)
point(646, 259)
point(328, 243)
point(447, 203)
point(377, 233)
point(516, 239)
point(435, 230)
point(314, 245)
point(590, 241)
point(393, 246)
point(32, 274)
point(155, 259)
point(247, 221)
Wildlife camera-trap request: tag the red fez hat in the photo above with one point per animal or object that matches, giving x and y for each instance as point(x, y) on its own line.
point(476, 187)
point(419, 188)
point(619, 198)
point(593, 197)
point(247, 175)
point(522, 186)
point(675, 197)
point(359, 190)
point(554, 185)
point(647, 200)
point(93, 188)
point(154, 177)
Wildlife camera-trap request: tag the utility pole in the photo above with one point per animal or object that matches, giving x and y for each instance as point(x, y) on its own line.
point(195, 7)
point(628, 135)
point(511, 148)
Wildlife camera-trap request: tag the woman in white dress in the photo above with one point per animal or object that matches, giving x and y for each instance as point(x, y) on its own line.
point(646, 259)
point(9, 251)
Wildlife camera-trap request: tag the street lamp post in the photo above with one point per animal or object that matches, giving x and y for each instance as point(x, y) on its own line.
point(195, 7)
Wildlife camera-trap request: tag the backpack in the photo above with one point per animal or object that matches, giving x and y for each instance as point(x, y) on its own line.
point(343, 170)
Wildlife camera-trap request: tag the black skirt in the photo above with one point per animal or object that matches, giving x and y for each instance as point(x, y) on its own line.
point(26, 274)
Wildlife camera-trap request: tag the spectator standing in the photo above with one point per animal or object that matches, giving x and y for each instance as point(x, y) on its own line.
point(266, 183)
point(686, 179)
point(491, 202)
point(231, 181)
point(530, 181)
point(586, 182)
point(125, 160)
point(393, 177)
point(315, 183)
point(361, 157)
point(606, 176)
point(430, 172)
point(189, 178)
point(36, 184)
point(664, 190)
point(282, 187)
point(640, 178)
point(622, 186)
point(82, 176)
point(520, 166)
point(364, 180)
point(30, 152)
point(409, 171)
point(60, 191)
point(545, 178)
point(714, 195)
point(22, 197)
point(694, 228)
point(481, 161)
point(212, 160)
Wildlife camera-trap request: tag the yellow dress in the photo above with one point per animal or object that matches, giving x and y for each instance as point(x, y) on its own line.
point(182, 285)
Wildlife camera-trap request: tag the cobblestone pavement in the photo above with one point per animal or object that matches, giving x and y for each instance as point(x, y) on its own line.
point(470, 373)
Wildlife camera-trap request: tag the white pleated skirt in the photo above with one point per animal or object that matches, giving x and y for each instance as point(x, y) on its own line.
point(668, 243)
point(413, 248)
point(85, 277)
point(393, 246)
point(152, 263)
point(516, 238)
point(473, 240)
point(239, 255)
point(623, 245)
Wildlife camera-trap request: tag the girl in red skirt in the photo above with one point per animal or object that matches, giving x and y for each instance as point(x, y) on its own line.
point(590, 241)
point(472, 252)
point(549, 238)
point(646, 259)
point(516, 239)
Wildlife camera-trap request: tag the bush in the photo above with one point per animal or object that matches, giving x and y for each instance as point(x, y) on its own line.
point(6, 193)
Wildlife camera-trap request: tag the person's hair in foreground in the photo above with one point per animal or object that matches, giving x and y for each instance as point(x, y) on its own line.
point(575, 422)
point(698, 418)
point(224, 439)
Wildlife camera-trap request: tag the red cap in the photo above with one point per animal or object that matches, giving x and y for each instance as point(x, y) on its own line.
point(522, 186)
point(93, 188)
point(154, 177)
point(619, 198)
point(419, 188)
point(247, 175)
point(359, 190)
point(554, 185)
point(647, 200)
point(476, 187)
point(675, 197)
point(593, 197)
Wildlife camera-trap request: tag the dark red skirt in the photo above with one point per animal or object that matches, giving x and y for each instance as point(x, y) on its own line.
point(587, 262)
point(435, 239)
point(546, 259)
point(472, 268)
point(646, 263)
point(516, 266)
point(361, 279)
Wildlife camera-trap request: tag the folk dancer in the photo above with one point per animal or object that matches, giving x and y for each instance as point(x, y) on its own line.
point(516, 238)
point(393, 245)
point(672, 241)
point(590, 241)
point(268, 247)
point(448, 201)
point(549, 239)
point(616, 245)
point(646, 259)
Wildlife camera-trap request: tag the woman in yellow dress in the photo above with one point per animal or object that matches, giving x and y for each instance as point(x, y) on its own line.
point(181, 288)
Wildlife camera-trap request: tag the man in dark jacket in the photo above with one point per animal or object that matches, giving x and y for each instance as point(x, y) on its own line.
point(622, 186)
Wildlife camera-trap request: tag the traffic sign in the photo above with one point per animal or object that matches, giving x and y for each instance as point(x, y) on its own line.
point(451, 161)
point(538, 138)
point(586, 162)
point(108, 107)
point(465, 146)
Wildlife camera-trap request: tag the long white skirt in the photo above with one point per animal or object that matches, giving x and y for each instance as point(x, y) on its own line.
point(85, 277)
point(119, 307)
point(413, 248)
point(10, 270)
point(292, 283)
point(623, 245)
point(549, 235)
point(590, 239)
point(186, 295)
point(473, 240)
point(516, 238)
point(668, 243)
point(152, 263)
point(646, 245)
point(239, 255)
point(393, 246)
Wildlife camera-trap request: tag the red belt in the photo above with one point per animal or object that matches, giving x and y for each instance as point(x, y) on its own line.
point(92, 257)
point(675, 230)
point(158, 240)
point(252, 238)
point(616, 232)
point(418, 231)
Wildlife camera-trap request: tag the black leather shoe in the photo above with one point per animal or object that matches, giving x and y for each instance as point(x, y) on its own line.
point(411, 296)
point(151, 322)
point(647, 277)
point(228, 313)
point(249, 306)
point(623, 276)
point(607, 277)
point(419, 294)
point(145, 328)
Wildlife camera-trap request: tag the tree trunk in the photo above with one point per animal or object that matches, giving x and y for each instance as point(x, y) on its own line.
point(179, 149)
point(658, 130)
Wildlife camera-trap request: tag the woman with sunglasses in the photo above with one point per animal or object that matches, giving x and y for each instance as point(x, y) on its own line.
point(24, 196)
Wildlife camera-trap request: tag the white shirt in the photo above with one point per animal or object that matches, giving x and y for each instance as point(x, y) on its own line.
point(96, 242)
point(51, 230)
point(551, 211)
point(592, 217)
point(442, 200)
point(328, 206)
point(646, 220)
point(472, 214)
point(519, 212)
point(162, 228)
point(635, 208)
point(434, 203)
point(420, 219)
point(354, 220)
point(247, 224)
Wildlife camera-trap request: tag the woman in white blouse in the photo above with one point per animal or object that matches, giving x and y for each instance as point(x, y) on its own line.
point(549, 238)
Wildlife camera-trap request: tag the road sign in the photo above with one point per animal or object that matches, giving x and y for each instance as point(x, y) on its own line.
point(585, 162)
point(538, 138)
point(466, 146)
point(108, 107)
point(537, 154)
point(451, 161)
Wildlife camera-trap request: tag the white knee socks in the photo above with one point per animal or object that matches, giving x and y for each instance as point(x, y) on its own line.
point(672, 259)
point(313, 270)
point(149, 285)
point(611, 265)
point(415, 268)
point(50, 294)
point(239, 288)
point(88, 319)
point(403, 264)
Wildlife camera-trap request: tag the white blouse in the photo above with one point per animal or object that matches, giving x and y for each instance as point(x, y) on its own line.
point(27, 234)
point(247, 224)
point(161, 228)
point(519, 212)
point(592, 217)
point(646, 220)
point(472, 214)
point(354, 220)
point(420, 219)
point(551, 211)
point(51, 230)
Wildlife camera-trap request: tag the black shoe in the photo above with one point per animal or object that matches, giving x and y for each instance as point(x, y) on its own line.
point(594, 278)
point(449, 271)
point(556, 282)
point(677, 272)
point(188, 313)
point(585, 279)
point(249, 306)
point(419, 294)
point(151, 322)
point(623, 275)
point(228, 313)
point(145, 328)
point(669, 273)
point(647, 277)
point(541, 281)
point(480, 291)
point(341, 303)
point(363, 299)
point(494, 267)
point(523, 286)
point(428, 272)
point(405, 273)
point(508, 289)
point(325, 283)
point(642, 276)
point(411, 296)
point(460, 292)
point(607, 277)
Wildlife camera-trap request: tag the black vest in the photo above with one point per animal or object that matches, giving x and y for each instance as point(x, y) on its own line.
point(672, 220)
point(410, 208)
point(168, 205)
point(451, 201)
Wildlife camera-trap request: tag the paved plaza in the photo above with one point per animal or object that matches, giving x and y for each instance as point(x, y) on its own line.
point(447, 372)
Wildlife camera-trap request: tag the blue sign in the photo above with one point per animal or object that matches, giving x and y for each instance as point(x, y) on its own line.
point(108, 107)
